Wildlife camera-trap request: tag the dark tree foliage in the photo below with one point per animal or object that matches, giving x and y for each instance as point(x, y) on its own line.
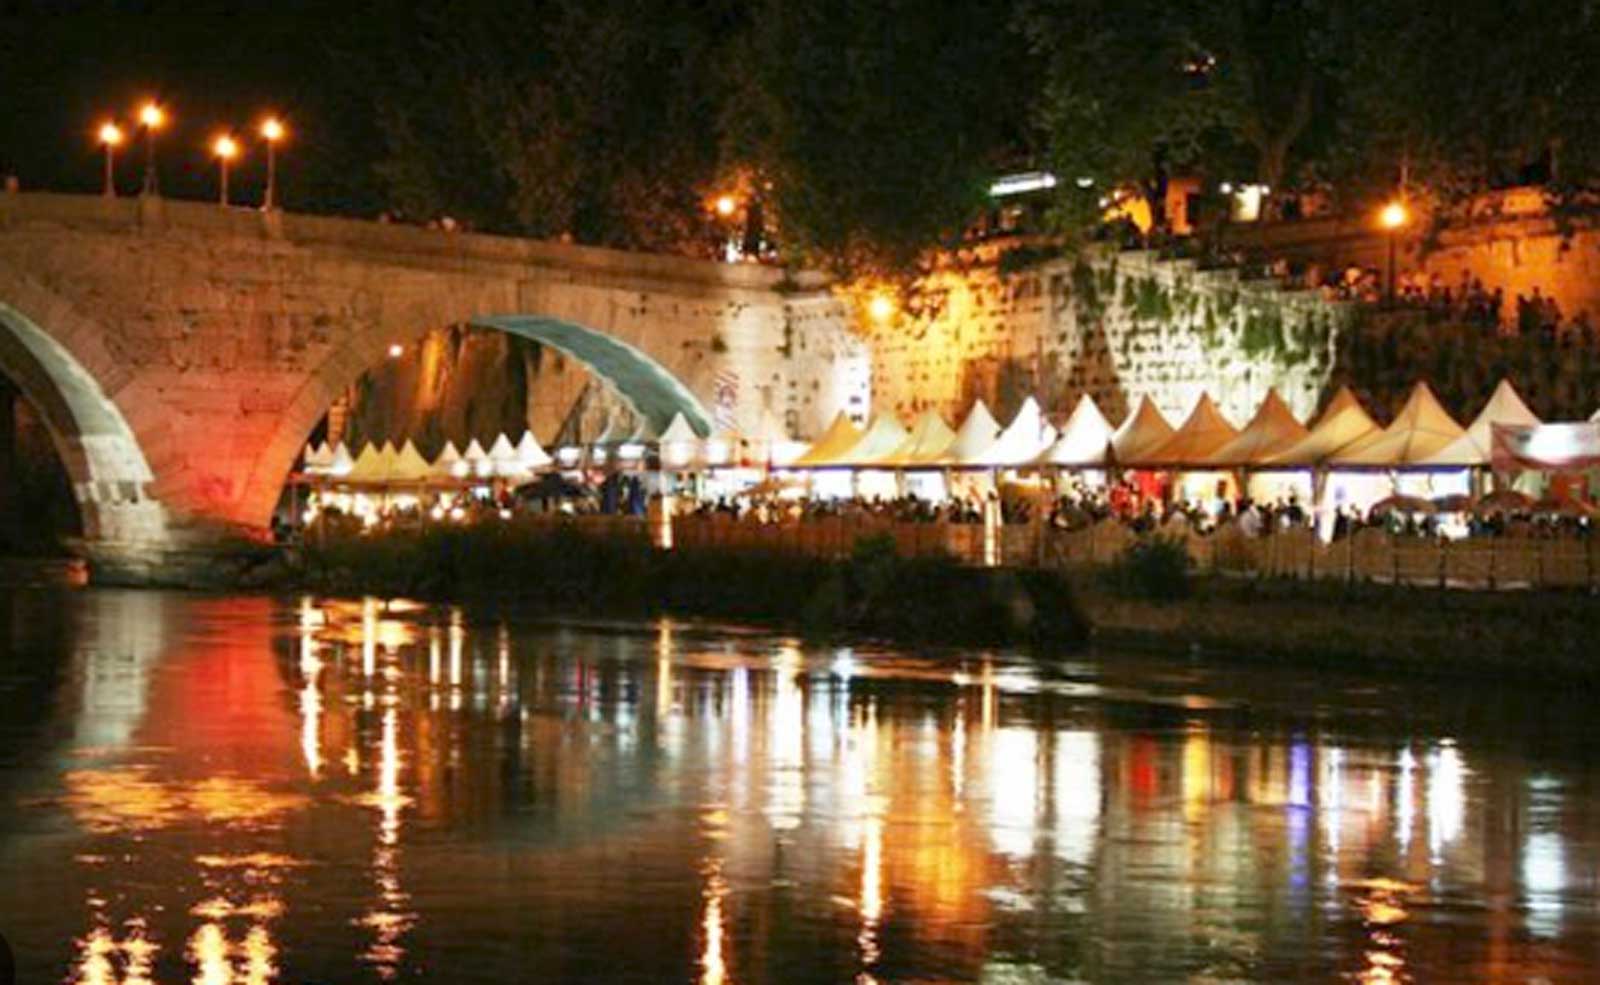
point(590, 118)
point(880, 125)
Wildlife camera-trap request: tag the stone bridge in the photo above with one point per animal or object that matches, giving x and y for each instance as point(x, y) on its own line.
point(180, 354)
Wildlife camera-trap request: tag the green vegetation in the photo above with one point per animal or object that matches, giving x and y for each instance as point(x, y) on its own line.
point(1153, 568)
point(560, 569)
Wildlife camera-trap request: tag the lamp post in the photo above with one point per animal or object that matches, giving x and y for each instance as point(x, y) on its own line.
point(226, 148)
point(110, 137)
point(151, 118)
point(271, 131)
point(1392, 218)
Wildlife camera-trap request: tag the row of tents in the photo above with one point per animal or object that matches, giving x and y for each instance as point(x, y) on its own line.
point(1422, 436)
point(1345, 436)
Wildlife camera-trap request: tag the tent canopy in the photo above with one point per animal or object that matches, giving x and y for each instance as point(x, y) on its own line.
point(1273, 429)
point(1200, 437)
point(1476, 447)
point(409, 465)
point(1084, 441)
point(1342, 423)
point(883, 435)
point(928, 441)
point(1421, 430)
point(449, 458)
point(1143, 432)
point(840, 437)
point(1024, 440)
point(532, 454)
point(974, 437)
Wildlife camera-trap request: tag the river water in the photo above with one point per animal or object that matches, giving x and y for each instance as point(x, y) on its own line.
point(252, 790)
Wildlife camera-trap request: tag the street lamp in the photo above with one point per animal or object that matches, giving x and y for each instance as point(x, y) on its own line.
point(1392, 218)
point(110, 137)
point(272, 131)
point(226, 149)
point(881, 308)
point(726, 206)
point(151, 117)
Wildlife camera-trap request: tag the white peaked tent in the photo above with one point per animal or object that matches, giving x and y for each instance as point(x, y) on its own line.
point(1421, 429)
point(408, 465)
point(679, 443)
point(1595, 417)
point(370, 465)
point(1203, 433)
point(476, 460)
point(1085, 440)
point(341, 464)
point(449, 463)
point(1143, 431)
point(1273, 429)
point(1343, 423)
point(1023, 440)
point(770, 441)
point(840, 437)
point(530, 454)
point(976, 435)
point(1474, 448)
point(925, 444)
point(632, 448)
point(721, 449)
point(503, 460)
point(883, 435)
point(318, 458)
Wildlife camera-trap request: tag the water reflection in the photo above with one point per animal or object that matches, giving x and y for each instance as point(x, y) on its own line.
point(255, 792)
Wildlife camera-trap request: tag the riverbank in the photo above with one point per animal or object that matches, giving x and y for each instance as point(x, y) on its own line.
point(559, 569)
point(1528, 636)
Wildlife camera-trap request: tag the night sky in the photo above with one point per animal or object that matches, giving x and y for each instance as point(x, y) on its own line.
point(68, 66)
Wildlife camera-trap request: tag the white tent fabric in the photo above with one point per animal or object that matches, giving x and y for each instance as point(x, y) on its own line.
point(1273, 429)
point(1023, 440)
point(408, 464)
point(318, 458)
point(449, 463)
point(721, 449)
point(1085, 440)
point(341, 464)
point(476, 459)
point(1421, 429)
point(503, 460)
point(1143, 431)
point(840, 437)
point(929, 439)
point(770, 441)
point(1476, 447)
point(882, 436)
point(679, 443)
point(974, 437)
point(1343, 423)
point(531, 454)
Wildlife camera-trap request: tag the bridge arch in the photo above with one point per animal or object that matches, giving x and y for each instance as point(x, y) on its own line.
point(648, 387)
point(109, 472)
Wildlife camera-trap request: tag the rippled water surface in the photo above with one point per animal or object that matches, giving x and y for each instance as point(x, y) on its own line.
point(247, 790)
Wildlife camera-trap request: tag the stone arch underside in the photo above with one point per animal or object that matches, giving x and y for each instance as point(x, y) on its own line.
point(110, 475)
point(652, 390)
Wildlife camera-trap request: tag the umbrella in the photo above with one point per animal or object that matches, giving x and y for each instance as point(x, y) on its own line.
point(1502, 501)
point(1402, 504)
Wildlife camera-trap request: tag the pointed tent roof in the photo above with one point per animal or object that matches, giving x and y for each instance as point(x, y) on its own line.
point(449, 457)
point(532, 454)
point(1420, 430)
point(408, 464)
point(1595, 417)
point(476, 458)
point(679, 443)
point(1201, 436)
point(1027, 436)
point(341, 463)
point(1140, 434)
point(503, 457)
point(771, 441)
point(883, 435)
point(974, 437)
point(925, 444)
point(1505, 406)
point(372, 465)
point(840, 437)
point(1085, 440)
point(679, 429)
point(1273, 429)
point(1343, 423)
point(318, 457)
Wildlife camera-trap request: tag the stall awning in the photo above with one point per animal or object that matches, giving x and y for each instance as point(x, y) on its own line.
point(1085, 441)
point(974, 437)
point(840, 437)
point(1143, 432)
point(1273, 429)
point(1201, 436)
point(1421, 430)
point(929, 440)
point(1342, 423)
point(1476, 447)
